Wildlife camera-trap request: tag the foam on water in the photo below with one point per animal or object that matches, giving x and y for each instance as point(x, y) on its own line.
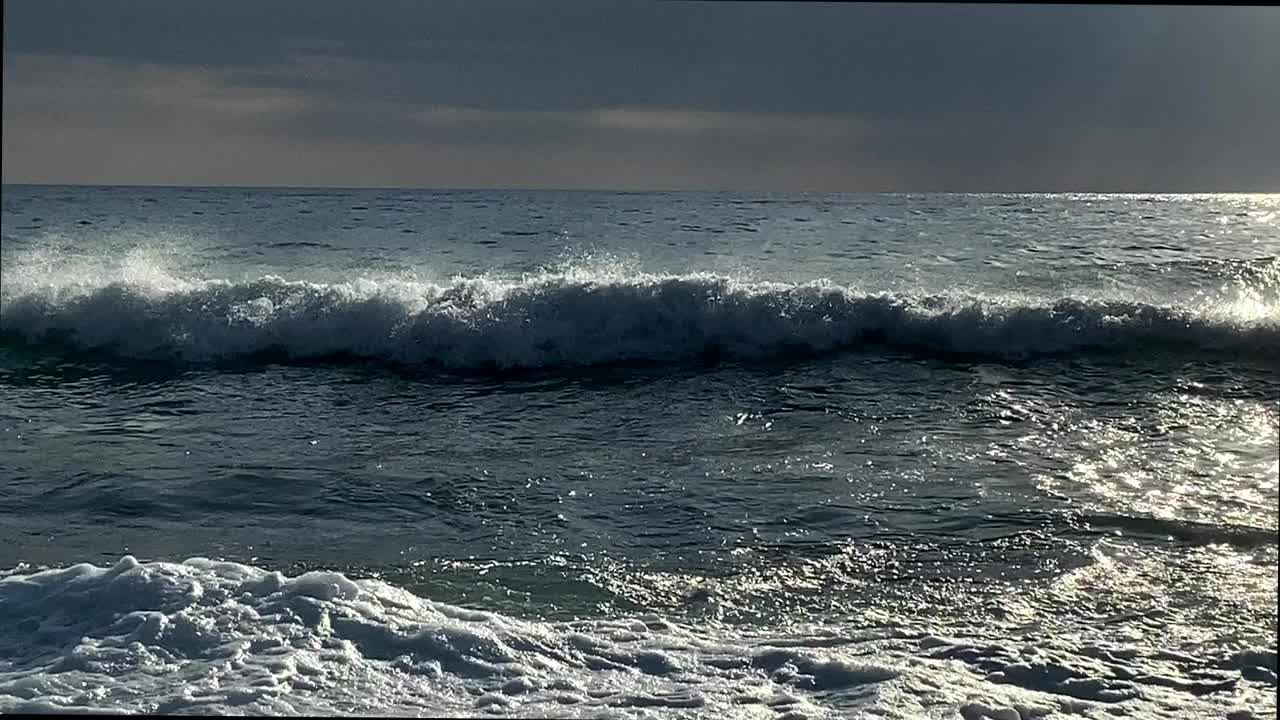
point(587, 316)
point(220, 637)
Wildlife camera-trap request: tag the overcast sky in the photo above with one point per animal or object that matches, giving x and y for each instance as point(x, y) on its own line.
point(642, 95)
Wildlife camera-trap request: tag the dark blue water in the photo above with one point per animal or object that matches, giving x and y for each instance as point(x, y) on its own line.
point(812, 454)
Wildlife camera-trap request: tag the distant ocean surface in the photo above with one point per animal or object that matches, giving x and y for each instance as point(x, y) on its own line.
point(616, 455)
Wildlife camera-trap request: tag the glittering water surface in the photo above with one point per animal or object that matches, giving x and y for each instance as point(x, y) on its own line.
point(817, 455)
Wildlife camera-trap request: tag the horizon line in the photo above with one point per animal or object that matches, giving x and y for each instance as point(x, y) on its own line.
point(656, 191)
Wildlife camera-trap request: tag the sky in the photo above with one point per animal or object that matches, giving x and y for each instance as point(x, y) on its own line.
point(634, 94)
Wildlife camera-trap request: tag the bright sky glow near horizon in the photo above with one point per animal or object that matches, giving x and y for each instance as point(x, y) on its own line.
point(640, 95)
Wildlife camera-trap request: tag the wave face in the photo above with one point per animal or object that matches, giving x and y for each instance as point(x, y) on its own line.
point(584, 317)
point(215, 637)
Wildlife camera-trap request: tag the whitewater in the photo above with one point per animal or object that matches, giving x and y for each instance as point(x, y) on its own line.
point(222, 637)
point(498, 453)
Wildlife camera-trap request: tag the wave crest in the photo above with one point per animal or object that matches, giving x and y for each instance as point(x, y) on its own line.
point(580, 318)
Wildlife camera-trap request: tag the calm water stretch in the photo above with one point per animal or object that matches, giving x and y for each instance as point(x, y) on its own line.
point(639, 455)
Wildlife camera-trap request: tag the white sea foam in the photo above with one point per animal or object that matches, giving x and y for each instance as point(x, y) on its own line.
point(582, 316)
point(220, 637)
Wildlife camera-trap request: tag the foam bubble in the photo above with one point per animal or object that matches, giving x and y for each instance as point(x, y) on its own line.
point(220, 637)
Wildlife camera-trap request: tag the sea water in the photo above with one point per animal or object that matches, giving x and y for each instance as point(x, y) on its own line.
point(590, 454)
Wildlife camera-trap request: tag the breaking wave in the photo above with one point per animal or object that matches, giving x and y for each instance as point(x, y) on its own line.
point(586, 317)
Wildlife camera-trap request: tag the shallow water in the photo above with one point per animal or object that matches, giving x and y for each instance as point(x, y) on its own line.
point(823, 455)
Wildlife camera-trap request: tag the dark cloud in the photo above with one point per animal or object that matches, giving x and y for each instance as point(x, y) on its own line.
point(663, 94)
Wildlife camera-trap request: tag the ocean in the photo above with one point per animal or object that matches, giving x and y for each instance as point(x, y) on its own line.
point(622, 455)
